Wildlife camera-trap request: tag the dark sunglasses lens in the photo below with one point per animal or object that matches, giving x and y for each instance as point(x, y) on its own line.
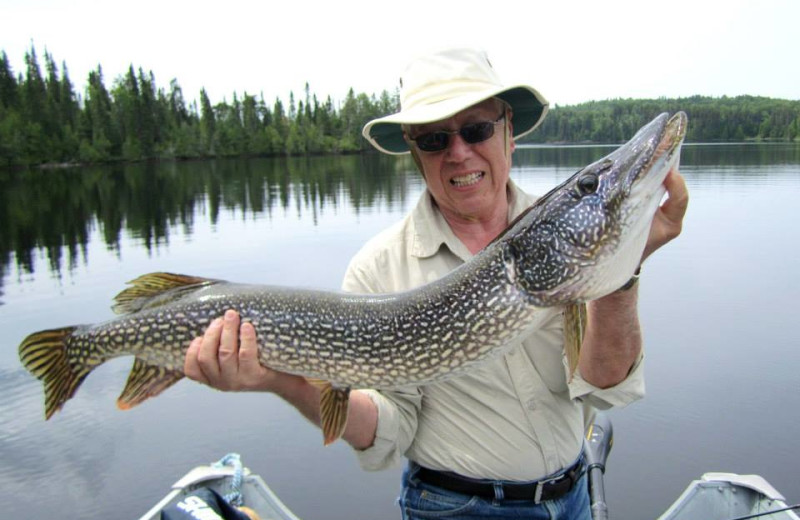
point(433, 142)
point(477, 133)
point(437, 141)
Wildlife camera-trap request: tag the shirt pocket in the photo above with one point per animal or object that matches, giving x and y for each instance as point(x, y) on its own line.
point(545, 350)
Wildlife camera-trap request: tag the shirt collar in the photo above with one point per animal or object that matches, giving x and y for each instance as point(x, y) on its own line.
point(429, 230)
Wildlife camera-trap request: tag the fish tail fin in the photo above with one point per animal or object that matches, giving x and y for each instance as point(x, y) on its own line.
point(155, 289)
point(44, 354)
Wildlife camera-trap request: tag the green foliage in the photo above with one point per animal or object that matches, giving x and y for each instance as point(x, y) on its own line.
point(738, 118)
point(42, 120)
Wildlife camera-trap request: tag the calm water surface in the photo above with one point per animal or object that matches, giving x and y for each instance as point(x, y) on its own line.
point(718, 308)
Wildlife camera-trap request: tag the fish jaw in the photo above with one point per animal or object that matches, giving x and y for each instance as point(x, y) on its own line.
point(651, 154)
point(645, 192)
point(585, 238)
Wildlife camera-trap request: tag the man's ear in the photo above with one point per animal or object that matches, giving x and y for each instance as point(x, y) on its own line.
point(510, 132)
point(417, 161)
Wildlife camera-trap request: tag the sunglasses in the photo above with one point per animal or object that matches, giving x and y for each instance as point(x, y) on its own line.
point(472, 134)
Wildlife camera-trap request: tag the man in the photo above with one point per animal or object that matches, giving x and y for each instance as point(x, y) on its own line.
point(504, 439)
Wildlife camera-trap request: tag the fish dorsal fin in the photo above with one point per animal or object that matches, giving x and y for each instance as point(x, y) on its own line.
point(146, 381)
point(154, 289)
point(333, 407)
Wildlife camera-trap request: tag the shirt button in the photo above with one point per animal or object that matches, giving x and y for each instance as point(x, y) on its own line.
point(531, 404)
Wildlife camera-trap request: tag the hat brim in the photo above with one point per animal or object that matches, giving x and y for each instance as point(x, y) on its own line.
point(386, 133)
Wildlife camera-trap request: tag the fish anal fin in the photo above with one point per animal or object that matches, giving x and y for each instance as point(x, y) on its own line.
point(44, 354)
point(154, 289)
point(333, 407)
point(146, 381)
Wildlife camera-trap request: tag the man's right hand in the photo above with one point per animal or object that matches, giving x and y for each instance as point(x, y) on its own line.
point(226, 358)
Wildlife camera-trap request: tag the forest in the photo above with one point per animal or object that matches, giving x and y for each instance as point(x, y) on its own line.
point(44, 121)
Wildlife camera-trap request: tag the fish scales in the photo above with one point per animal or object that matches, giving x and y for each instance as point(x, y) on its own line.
point(581, 241)
point(372, 337)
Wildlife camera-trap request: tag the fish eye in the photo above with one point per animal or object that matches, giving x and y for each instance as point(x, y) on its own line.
point(587, 184)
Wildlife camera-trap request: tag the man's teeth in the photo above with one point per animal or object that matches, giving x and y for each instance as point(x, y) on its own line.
point(466, 180)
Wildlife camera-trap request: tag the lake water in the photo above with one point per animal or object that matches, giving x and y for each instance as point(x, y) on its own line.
point(718, 306)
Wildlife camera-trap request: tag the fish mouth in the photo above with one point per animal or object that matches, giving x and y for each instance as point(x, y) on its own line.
point(660, 143)
point(674, 133)
point(660, 147)
point(671, 138)
point(641, 166)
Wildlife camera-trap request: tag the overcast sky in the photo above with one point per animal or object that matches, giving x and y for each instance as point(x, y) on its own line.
point(572, 51)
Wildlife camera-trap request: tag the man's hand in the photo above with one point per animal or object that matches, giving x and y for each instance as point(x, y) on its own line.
point(668, 220)
point(613, 338)
point(226, 358)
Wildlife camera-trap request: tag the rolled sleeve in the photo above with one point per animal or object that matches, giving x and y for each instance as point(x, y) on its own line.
point(397, 424)
point(625, 392)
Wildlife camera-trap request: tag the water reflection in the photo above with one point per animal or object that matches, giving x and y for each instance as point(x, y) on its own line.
point(698, 154)
point(55, 210)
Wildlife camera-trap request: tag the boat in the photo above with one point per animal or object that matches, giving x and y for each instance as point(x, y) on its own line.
point(729, 496)
point(229, 479)
point(714, 496)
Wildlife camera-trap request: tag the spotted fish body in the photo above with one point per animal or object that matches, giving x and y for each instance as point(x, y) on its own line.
point(579, 242)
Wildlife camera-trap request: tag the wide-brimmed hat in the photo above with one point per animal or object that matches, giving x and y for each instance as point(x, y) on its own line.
point(439, 85)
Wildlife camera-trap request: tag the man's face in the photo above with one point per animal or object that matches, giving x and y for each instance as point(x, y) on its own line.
point(468, 181)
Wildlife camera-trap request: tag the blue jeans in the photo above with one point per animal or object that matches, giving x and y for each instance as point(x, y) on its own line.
point(421, 501)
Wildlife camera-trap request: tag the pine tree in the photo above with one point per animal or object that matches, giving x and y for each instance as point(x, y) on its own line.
point(9, 89)
point(34, 103)
point(149, 129)
point(208, 123)
point(100, 136)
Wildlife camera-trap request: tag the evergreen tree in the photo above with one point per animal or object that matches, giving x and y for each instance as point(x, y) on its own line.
point(34, 112)
point(9, 89)
point(69, 108)
point(12, 140)
point(150, 120)
point(208, 123)
point(100, 136)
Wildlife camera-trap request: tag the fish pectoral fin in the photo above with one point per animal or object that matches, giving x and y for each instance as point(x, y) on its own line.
point(574, 330)
point(333, 407)
point(154, 289)
point(321, 384)
point(145, 381)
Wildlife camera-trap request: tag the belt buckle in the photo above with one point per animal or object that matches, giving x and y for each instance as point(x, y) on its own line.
point(537, 494)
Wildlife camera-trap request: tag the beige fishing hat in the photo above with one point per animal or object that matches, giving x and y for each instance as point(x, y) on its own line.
point(439, 85)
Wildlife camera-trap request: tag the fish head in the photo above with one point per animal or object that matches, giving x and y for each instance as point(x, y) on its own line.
point(585, 238)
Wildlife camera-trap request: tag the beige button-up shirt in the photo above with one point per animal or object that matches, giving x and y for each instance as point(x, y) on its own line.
point(515, 417)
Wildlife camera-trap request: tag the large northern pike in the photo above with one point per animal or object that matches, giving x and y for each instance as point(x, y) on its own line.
point(579, 242)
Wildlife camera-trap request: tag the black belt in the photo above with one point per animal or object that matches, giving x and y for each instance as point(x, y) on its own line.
point(548, 489)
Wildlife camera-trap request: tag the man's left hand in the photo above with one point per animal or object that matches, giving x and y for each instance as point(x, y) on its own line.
point(668, 220)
